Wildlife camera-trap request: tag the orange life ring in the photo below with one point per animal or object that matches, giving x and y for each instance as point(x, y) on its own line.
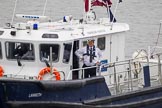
point(1, 71)
point(47, 70)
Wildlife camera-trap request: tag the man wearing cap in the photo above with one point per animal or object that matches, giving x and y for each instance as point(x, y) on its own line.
point(91, 56)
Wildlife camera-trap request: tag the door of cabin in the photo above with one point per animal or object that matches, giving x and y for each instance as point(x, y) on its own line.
point(75, 61)
point(66, 64)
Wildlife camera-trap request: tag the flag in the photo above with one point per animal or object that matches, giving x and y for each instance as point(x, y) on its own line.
point(101, 3)
point(112, 18)
point(86, 5)
point(97, 3)
point(107, 4)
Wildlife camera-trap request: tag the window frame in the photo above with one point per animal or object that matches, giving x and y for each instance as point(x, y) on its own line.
point(58, 56)
point(69, 43)
point(16, 45)
point(101, 44)
point(1, 32)
point(1, 56)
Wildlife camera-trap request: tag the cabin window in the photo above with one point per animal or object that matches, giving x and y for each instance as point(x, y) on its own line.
point(24, 51)
point(50, 36)
point(67, 52)
point(45, 52)
point(101, 43)
point(1, 32)
point(0, 51)
point(84, 43)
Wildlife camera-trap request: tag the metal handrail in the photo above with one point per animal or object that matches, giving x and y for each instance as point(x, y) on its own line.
point(80, 69)
point(129, 80)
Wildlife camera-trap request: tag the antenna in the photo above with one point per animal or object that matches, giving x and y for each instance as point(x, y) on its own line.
point(157, 40)
point(14, 12)
point(44, 7)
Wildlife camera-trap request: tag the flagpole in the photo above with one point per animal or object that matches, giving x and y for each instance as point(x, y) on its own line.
point(108, 10)
point(114, 14)
point(90, 1)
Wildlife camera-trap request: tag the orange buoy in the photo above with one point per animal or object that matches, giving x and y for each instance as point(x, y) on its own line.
point(47, 70)
point(1, 71)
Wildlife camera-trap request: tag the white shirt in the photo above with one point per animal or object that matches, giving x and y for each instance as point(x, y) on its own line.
point(86, 58)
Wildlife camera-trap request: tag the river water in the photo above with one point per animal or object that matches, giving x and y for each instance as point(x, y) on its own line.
point(143, 16)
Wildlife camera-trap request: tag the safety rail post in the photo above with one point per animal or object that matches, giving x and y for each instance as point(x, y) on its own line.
point(51, 60)
point(98, 69)
point(115, 80)
point(83, 72)
point(130, 83)
point(119, 88)
point(159, 68)
point(128, 78)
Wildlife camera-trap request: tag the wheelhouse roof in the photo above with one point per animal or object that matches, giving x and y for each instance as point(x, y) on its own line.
point(64, 31)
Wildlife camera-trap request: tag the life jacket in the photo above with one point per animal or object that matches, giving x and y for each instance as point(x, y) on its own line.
point(88, 52)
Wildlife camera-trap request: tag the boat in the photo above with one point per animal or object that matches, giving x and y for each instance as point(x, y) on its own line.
point(37, 71)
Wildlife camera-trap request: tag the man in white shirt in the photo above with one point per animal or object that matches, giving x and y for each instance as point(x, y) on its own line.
point(91, 56)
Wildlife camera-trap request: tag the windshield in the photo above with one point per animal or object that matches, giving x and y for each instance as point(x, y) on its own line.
point(67, 52)
point(20, 50)
point(45, 52)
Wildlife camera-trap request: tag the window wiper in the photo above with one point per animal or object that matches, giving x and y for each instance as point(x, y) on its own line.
point(46, 62)
point(18, 60)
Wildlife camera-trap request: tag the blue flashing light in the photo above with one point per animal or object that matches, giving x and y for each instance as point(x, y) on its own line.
point(35, 26)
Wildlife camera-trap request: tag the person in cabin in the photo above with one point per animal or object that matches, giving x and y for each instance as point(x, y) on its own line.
point(28, 54)
point(21, 50)
point(24, 52)
point(90, 55)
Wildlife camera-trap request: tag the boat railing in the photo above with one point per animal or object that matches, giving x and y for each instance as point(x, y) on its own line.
point(135, 74)
point(129, 75)
point(52, 76)
point(82, 70)
point(20, 76)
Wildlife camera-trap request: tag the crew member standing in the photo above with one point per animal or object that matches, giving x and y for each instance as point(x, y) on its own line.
point(90, 55)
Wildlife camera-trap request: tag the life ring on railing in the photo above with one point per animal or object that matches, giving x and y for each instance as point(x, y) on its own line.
point(1, 71)
point(138, 56)
point(47, 70)
point(137, 67)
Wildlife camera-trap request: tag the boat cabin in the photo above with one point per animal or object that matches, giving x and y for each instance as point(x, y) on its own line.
point(27, 48)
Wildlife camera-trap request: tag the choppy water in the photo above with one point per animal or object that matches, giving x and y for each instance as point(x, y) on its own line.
point(143, 16)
